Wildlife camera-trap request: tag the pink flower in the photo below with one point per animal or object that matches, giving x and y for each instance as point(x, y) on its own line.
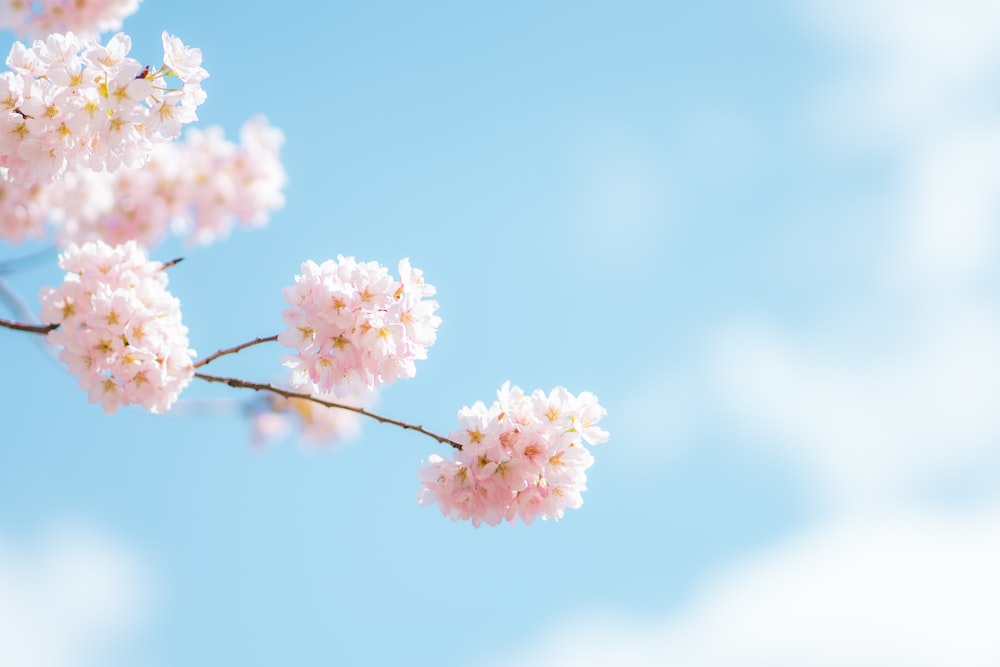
point(355, 327)
point(524, 456)
point(183, 60)
point(275, 416)
point(24, 209)
point(41, 17)
point(200, 187)
point(119, 327)
point(79, 104)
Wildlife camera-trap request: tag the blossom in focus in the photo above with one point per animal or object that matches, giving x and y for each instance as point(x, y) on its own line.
point(524, 456)
point(38, 18)
point(119, 327)
point(69, 103)
point(354, 327)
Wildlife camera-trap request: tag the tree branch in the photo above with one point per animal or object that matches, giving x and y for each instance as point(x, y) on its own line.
point(256, 386)
point(30, 328)
point(243, 384)
point(233, 350)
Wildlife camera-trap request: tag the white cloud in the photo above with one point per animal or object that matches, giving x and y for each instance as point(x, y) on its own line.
point(906, 590)
point(68, 600)
point(900, 391)
point(921, 78)
point(948, 209)
point(910, 66)
point(876, 420)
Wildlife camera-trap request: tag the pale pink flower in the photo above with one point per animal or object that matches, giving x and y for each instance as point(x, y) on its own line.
point(72, 103)
point(200, 187)
point(119, 327)
point(275, 416)
point(24, 208)
point(355, 327)
point(183, 60)
point(36, 18)
point(524, 456)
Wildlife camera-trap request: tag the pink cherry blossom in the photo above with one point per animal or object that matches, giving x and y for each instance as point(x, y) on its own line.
point(119, 328)
point(38, 18)
point(71, 103)
point(200, 187)
point(355, 327)
point(524, 456)
point(24, 208)
point(275, 416)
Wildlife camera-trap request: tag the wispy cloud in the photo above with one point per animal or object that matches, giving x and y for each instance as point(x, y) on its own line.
point(893, 389)
point(69, 599)
point(886, 591)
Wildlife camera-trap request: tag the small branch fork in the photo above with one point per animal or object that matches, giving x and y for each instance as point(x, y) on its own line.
point(257, 386)
point(233, 350)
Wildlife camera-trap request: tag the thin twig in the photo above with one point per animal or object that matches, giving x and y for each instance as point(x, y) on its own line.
point(243, 384)
point(30, 328)
point(21, 311)
point(233, 350)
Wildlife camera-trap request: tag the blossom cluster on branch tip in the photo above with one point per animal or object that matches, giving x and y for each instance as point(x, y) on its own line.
point(70, 103)
point(120, 328)
point(355, 327)
point(36, 18)
point(524, 456)
point(199, 187)
point(86, 151)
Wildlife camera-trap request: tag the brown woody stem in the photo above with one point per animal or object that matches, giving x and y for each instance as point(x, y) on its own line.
point(30, 328)
point(243, 384)
point(233, 350)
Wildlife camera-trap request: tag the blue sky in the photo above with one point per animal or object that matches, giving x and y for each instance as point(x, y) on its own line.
point(762, 233)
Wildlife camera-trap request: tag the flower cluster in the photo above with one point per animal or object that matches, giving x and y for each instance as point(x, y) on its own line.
point(221, 182)
point(200, 187)
point(41, 17)
point(524, 456)
point(71, 103)
point(86, 148)
point(355, 327)
point(120, 328)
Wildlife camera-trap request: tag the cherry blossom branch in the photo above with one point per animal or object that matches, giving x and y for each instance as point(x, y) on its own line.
point(233, 350)
point(20, 308)
point(243, 384)
point(30, 328)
